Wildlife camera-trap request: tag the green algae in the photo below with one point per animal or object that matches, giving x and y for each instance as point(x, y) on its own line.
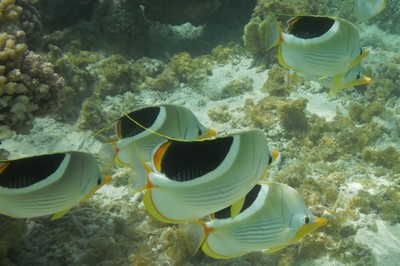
point(365, 114)
point(388, 157)
point(290, 113)
point(235, 87)
point(384, 204)
point(261, 115)
point(92, 114)
point(292, 116)
point(220, 114)
point(278, 82)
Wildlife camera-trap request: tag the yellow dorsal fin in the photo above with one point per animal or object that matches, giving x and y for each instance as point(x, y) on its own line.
point(59, 214)
point(358, 59)
point(106, 179)
point(236, 207)
point(271, 250)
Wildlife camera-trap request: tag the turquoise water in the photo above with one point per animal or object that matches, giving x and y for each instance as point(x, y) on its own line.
point(69, 68)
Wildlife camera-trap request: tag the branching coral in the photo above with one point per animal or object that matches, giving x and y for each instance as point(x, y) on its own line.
point(28, 85)
point(9, 12)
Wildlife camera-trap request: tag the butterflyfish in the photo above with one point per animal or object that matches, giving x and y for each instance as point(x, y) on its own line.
point(354, 77)
point(48, 184)
point(366, 9)
point(188, 180)
point(318, 46)
point(272, 217)
point(149, 126)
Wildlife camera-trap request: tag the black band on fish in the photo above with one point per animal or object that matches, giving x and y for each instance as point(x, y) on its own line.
point(310, 27)
point(145, 117)
point(248, 201)
point(184, 161)
point(28, 171)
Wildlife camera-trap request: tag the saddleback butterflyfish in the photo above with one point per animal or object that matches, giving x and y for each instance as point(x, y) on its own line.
point(48, 184)
point(272, 217)
point(149, 126)
point(366, 9)
point(187, 180)
point(318, 47)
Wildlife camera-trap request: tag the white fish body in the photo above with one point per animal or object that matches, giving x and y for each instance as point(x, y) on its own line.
point(76, 178)
point(277, 218)
point(354, 77)
point(172, 121)
point(240, 169)
point(366, 9)
point(329, 54)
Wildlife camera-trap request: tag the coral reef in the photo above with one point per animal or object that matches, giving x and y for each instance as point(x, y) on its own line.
point(345, 166)
point(278, 82)
point(388, 157)
point(220, 114)
point(386, 80)
point(28, 85)
point(9, 12)
point(365, 114)
point(292, 115)
point(11, 232)
point(235, 87)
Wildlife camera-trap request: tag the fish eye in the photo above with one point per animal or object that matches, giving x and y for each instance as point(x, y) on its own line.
point(199, 132)
point(358, 76)
point(270, 159)
point(307, 219)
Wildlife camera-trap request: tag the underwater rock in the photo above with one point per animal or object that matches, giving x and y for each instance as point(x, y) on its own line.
point(363, 114)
